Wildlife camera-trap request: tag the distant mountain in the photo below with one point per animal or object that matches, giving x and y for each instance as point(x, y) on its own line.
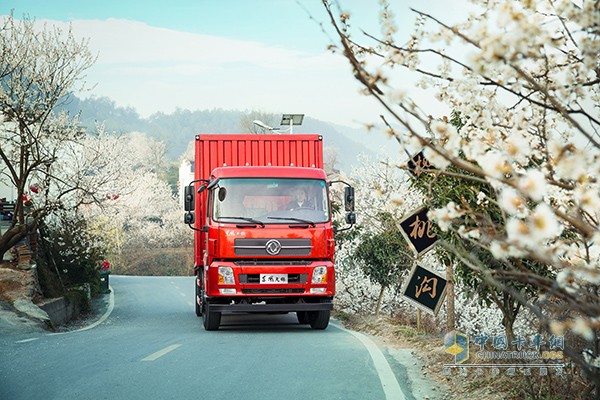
point(377, 141)
point(177, 129)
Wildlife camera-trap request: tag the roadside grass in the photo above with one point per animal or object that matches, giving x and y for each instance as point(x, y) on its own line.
point(466, 383)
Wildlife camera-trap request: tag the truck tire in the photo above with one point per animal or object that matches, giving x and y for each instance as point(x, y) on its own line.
point(319, 319)
point(211, 319)
point(302, 317)
point(198, 300)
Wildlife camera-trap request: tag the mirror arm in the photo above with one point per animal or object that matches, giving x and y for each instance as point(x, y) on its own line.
point(338, 230)
point(338, 181)
point(196, 229)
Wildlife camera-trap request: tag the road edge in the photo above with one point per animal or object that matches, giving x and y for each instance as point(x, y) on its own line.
point(388, 380)
point(111, 305)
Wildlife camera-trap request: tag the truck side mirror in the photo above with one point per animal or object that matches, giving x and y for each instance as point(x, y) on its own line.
point(351, 218)
point(188, 201)
point(188, 218)
point(349, 198)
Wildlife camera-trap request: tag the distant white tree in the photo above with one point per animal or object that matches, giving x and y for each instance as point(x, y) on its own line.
point(138, 208)
point(378, 192)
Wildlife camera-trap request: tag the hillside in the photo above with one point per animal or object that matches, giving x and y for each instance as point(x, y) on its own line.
point(177, 130)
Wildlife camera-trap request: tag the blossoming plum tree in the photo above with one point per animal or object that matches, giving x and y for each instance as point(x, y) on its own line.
point(523, 79)
point(38, 71)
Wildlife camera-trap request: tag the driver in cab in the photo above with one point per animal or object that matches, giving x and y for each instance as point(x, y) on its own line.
point(300, 201)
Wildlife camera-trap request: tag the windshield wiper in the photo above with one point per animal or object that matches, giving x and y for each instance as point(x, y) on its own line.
point(303, 221)
point(250, 220)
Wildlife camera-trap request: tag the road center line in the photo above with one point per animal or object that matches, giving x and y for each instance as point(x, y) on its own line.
point(161, 353)
point(26, 340)
point(390, 385)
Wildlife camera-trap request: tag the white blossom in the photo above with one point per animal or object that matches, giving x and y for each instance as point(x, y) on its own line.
point(533, 184)
point(444, 216)
point(511, 202)
point(437, 160)
point(494, 164)
point(543, 222)
point(582, 328)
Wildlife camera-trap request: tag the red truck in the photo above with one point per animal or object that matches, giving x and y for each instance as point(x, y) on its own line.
point(264, 238)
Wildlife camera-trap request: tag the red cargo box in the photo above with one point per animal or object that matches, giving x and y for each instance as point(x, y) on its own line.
point(218, 150)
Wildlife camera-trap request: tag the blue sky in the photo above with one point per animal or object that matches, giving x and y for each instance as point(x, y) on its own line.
point(278, 22)
point(264, 55)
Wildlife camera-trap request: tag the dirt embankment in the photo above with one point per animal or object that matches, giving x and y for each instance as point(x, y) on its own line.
point(19, 293)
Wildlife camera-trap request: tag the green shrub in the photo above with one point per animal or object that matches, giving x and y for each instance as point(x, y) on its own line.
point(69, 254)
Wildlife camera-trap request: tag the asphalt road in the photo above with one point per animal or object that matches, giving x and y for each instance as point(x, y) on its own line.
point(149, 344)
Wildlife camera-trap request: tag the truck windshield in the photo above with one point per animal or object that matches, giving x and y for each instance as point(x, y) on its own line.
point(272, 201)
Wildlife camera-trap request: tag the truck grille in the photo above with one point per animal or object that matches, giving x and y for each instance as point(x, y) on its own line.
point(255, 278)
point(272, 247)
point(266, 263)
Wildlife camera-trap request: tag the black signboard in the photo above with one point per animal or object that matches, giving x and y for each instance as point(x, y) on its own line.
point(418, 231)
point(425, 289)
point(419, 163)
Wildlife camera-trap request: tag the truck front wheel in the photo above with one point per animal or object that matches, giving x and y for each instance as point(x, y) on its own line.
point(211, 319)
point(319, 319)
point(302, 317)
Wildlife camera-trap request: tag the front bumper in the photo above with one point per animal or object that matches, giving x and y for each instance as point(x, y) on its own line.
point(248, 283)
point(267, 307)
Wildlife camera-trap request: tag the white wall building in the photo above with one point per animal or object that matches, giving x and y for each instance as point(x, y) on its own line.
point(186, 175)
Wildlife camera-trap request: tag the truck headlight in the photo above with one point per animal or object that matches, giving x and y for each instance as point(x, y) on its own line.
point(319, 274)
point(226, 276)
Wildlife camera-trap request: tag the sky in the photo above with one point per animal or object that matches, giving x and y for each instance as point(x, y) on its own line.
point(260, 55)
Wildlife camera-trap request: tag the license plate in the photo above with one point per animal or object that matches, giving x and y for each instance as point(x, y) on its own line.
point(273, 278)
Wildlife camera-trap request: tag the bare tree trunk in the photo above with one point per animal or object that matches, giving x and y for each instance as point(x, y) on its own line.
point(510, 310)
point(378, 307)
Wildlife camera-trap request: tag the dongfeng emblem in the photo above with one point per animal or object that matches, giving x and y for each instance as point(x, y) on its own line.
point(273, 247)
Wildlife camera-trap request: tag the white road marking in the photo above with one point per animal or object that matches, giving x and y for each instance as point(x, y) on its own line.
point(390, 385)
point(161, 353)
point(26, 340)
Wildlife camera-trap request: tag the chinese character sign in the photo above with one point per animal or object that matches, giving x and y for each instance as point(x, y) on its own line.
point(418, 231)
point(418, 163)
point(426, 289)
